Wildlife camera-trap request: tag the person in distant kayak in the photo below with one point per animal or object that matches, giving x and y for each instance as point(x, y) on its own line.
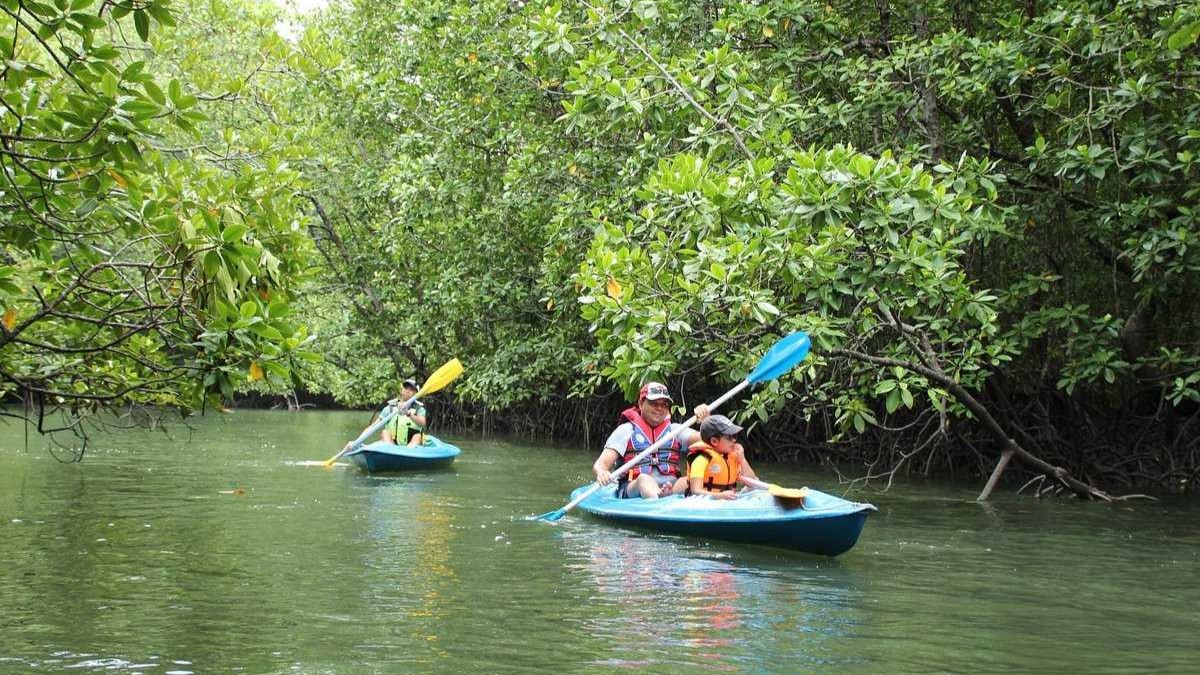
point(718, 463)
point(408, 426)
point(658, 474)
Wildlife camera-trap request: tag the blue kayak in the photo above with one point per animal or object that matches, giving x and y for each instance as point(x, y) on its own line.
point(821, 524)
point(376, 457)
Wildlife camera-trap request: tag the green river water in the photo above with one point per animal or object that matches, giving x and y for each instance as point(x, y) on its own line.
point(210, 550)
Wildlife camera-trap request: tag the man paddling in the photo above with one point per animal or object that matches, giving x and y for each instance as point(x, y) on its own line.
point(408, 426)
point(658, 474)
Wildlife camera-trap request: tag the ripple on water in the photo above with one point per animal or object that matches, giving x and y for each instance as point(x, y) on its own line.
point(221, 557)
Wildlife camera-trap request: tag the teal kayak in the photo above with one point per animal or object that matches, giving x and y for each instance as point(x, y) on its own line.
point(822, 524)
point(376, 457)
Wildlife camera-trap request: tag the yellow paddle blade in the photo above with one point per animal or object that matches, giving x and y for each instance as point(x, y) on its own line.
point(442, 377)
point(787, 493)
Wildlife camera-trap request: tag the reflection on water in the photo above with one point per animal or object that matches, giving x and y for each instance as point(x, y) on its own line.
point(429, 525)
point(214, 551)
point(406, 574)
point(664, 599)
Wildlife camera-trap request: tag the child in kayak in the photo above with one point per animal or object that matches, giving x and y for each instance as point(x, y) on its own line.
point(718, 463)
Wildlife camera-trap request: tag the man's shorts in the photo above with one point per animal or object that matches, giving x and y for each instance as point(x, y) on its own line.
point(623, 490)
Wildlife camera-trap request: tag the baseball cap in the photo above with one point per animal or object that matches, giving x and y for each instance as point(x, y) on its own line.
point(653, 391)
point(718, 425)
point(411, 383)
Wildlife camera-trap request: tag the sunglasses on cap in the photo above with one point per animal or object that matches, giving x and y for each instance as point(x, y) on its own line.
point(654, 391)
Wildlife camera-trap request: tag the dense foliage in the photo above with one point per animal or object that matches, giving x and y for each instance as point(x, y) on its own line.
point(997, 196)
point(146, 258)
point(442, 205)
point(983, 213)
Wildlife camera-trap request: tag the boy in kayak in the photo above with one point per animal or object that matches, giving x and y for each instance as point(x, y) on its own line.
point(658, 474)
point(408, 426)
point(718, 462)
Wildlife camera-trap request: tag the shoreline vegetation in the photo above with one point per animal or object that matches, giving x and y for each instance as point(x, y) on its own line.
point(985, 216)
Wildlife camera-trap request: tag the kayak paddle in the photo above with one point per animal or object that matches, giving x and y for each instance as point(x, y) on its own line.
point(780, 359)
point(439, 379)
point(776, 490)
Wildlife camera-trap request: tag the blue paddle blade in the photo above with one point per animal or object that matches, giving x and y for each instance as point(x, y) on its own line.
point(552, 516)
point(783, 357)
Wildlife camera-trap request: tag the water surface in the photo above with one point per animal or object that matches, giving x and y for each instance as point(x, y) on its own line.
point(212, 550)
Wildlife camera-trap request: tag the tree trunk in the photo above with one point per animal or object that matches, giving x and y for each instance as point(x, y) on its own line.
point(926, 90)
point(376, 311)
point(995, 477)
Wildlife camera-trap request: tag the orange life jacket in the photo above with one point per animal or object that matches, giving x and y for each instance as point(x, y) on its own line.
point(723, 470)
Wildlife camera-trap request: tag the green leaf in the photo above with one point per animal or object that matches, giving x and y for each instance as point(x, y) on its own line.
point(646, 10)
point(249, 308)
point(141, 108)
point(226, 283)
point(212, 263)
point(109, 84)
point(1184, 37)
point(269, 332)
point(87, 21)
point(161, 13)
point(47, 30)
point(768, 308)
point(311, 357)
point(275, 368)
point(86, 207)
point(141, 21)
point(893, 401)
point(39, 9)
point(106, 52)
point(153, 91)
point(133, 70)
point(233, 232)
